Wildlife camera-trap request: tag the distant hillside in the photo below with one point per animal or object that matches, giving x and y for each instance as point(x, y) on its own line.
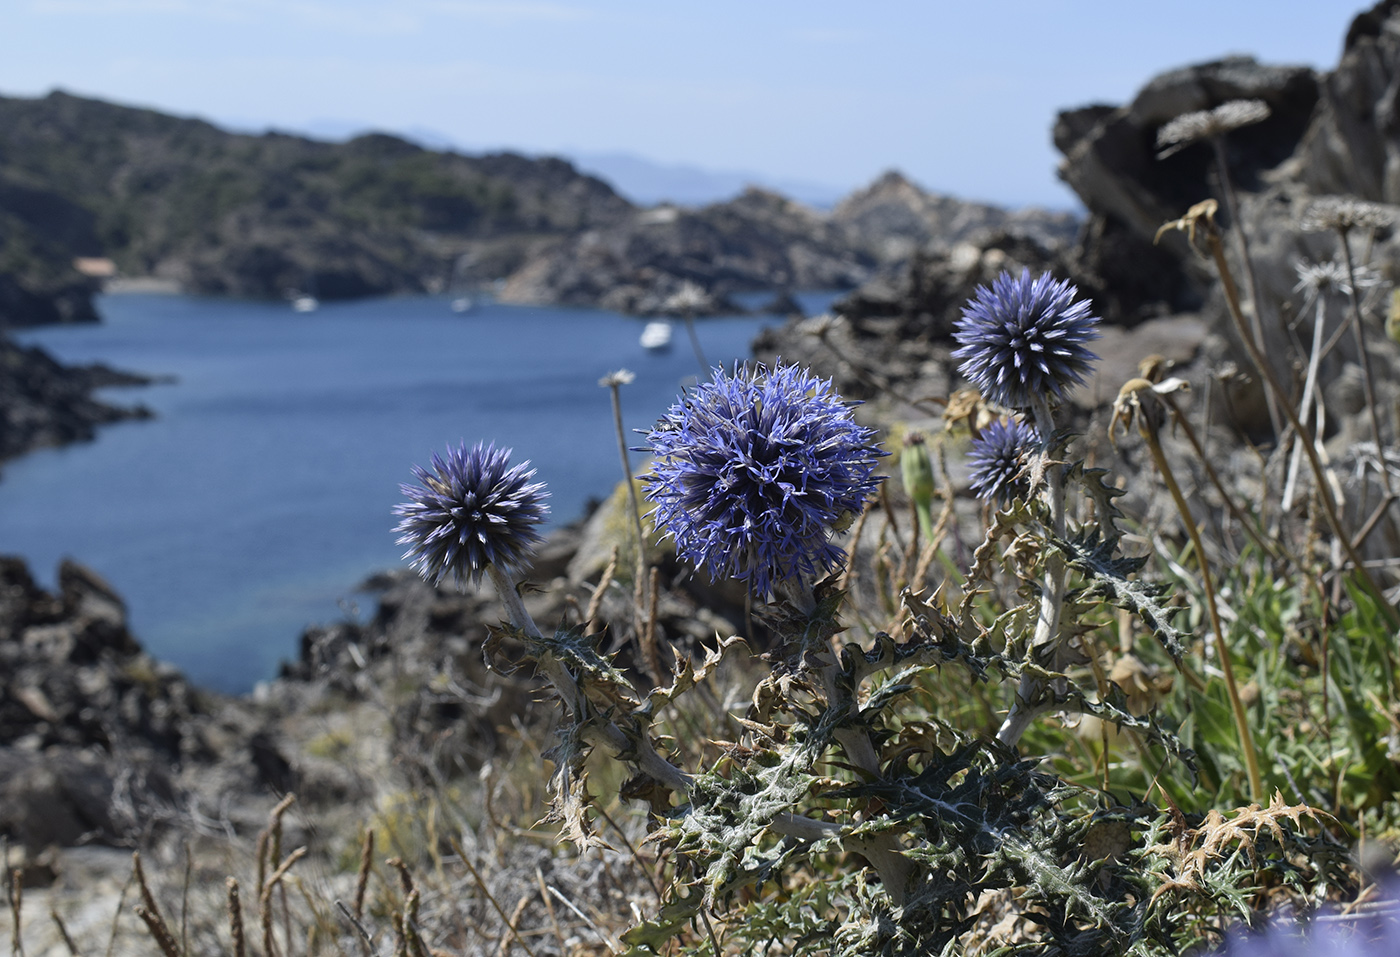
point(233, 214)
point(272, 215)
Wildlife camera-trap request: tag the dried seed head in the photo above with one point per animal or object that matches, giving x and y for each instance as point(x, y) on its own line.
point(1191, 128)
point(1315, 279)
point(1345, 213)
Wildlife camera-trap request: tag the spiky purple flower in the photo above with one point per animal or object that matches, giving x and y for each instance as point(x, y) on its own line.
point(1024, 338)
point(998, 460)
point(753, 470)
point(470, 510)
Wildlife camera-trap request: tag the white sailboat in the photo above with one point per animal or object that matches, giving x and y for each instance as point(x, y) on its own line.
point(657, 335)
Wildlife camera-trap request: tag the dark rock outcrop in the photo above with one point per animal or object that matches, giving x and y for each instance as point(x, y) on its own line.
point(43, 402)
point(91, 729)
point(1111, 161)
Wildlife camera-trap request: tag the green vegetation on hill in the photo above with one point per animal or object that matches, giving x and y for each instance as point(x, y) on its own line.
point(237, 214)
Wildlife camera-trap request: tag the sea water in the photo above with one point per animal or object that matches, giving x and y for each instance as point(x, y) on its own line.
point(260, 495)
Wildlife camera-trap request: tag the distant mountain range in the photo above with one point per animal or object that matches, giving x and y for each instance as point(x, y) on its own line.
point(88, 188)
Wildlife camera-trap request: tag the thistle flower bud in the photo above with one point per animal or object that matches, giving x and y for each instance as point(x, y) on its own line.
point(470, 510)
point(998, 460)
point(916, 470)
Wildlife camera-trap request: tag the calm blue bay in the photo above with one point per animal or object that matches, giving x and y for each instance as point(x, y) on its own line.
point(260, 495)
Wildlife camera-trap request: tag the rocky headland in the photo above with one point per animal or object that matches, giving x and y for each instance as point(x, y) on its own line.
point(45, 403)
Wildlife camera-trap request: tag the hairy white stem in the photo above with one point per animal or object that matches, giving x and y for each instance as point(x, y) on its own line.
point(1052, 596)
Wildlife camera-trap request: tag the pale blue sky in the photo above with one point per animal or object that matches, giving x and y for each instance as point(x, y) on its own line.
point(959, 95)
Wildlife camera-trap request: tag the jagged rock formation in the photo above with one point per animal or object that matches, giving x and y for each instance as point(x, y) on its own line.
point(43, 402)
point(1326, 134)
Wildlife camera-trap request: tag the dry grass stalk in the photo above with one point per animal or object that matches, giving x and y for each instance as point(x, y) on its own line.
point(513, 925)
point(362, 877)
point(486, 892)
point(651, 654)
point(16, 895)
point(265, 897)
point(416, 946)
point(275, 827)
point(549, 909)
point(590, 617)
point(366, 939)
point(159, 931)
point(63, 932)
point(405, 878)
point(605, 938)
point(235, 919)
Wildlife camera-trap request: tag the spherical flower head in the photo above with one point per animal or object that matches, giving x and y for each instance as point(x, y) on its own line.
point(754, 470)
point(1023, 338)
point(469, 510)
point(998, 460)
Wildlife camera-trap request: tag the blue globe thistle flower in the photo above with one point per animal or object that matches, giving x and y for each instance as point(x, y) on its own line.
point(754, 471)
point(470, 510)
point(998, 457)
point(1024, 338)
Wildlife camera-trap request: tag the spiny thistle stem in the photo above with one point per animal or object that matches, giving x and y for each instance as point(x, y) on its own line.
point(1052, 595)
point(510, 597)
point(1147, 428)
point(1324, 491)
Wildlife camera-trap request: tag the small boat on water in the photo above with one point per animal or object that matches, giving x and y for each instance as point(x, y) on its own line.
point(306, 303)
point(657, 335)
point(463, 304)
